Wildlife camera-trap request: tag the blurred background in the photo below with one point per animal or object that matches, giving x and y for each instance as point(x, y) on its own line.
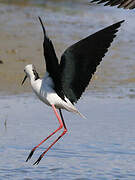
point(100, 147)
point(66, 22)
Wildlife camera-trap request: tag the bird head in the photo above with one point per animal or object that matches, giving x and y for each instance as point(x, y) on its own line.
point(30, 72)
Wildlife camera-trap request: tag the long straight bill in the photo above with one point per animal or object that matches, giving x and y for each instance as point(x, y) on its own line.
point(24, 79)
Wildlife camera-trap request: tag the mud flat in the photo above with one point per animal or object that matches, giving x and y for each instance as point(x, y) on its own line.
point(21, 42)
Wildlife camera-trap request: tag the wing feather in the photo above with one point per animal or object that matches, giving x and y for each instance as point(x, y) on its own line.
point(52, 65)
point(79, 61)
point(126, 4)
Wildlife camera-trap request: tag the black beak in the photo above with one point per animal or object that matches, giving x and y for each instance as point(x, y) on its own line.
point(24, 79)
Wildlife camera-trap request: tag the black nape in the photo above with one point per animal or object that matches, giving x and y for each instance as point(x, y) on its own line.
point(36, 74)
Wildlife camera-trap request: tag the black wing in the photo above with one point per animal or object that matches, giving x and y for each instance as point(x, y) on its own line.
point(79, 62)
point(52, 65)
point(126, 4)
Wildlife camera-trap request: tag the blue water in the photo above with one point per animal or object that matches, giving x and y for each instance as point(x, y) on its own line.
point(102, 146)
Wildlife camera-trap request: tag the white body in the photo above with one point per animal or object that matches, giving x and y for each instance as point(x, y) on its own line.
point(43, 88)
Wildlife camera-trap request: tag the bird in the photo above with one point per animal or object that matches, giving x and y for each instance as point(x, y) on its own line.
point(64, 82)
point(126, 4)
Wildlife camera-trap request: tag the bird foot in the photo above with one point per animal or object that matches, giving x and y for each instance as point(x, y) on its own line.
point(31, 153)
point(39, 159)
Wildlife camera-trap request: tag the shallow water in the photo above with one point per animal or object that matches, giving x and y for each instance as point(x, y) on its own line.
point(99, 147)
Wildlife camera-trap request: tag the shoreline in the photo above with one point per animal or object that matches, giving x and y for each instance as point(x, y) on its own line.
point(22, 38)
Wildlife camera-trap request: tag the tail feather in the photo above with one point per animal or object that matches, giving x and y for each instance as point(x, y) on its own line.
point(81, 115)
point(71, 108)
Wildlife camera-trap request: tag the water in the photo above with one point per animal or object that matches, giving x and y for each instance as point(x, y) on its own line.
point(99, 147)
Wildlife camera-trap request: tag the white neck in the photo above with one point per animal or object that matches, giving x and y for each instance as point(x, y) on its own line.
point(31, 77)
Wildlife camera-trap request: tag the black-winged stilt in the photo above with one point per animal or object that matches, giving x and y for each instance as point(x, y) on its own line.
point(126, 4)
point(64, 83)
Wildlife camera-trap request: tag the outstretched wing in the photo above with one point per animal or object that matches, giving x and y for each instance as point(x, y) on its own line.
point(126, 4)
point(79, 61)
point(52, 65)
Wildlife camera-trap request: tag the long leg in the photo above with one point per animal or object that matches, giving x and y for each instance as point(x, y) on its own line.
point(64, 132)
point(60, 127)
point(62, 119)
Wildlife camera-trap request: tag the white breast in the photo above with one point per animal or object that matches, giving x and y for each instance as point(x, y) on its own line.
point(44, 89)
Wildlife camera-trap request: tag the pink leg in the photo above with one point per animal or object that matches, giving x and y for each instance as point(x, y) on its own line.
point(64, 132)
point(60, 127)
